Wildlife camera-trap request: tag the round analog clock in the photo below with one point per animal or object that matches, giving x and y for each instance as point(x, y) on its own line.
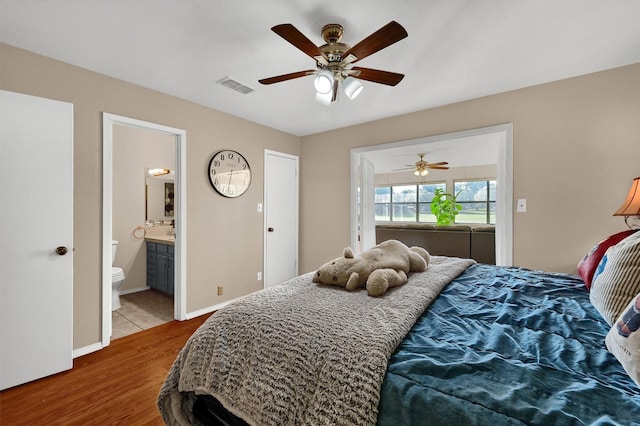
point(229, 173)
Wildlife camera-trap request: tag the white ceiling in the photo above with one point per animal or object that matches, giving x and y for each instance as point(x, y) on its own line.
point(459, 151)
point(456, 50)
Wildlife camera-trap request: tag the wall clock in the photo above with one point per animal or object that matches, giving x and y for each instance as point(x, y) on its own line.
point(229, 173)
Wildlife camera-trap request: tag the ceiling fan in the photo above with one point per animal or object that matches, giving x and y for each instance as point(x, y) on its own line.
point(334, 60)
point(421, 168)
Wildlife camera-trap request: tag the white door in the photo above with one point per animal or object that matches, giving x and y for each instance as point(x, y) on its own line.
point(36, 319)
point(280, 217)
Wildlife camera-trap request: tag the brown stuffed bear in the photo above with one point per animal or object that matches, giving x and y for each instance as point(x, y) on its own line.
point(379, 268)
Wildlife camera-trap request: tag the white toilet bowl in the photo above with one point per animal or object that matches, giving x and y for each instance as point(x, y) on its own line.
point(117, 278)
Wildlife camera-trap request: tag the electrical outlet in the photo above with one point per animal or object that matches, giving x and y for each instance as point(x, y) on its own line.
point(259, 276)
point(219, 290)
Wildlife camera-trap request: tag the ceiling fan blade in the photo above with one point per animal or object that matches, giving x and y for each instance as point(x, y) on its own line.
point(377, 76)
point(299, 40)
point(406, 168)
point(441, 163)
point(384, 37)
point(438, 167)
point(285, 77)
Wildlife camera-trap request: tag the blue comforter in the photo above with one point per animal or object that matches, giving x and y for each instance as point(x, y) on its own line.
point(508, 346)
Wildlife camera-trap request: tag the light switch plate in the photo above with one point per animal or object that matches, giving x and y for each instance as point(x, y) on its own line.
point(522, 205)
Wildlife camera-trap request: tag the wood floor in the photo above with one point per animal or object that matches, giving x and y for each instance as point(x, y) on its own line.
point(117, 385)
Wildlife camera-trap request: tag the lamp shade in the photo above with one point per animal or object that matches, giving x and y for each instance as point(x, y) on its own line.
point(324, 98)
point(324, 82)
point(631, 206)
point(351, 87)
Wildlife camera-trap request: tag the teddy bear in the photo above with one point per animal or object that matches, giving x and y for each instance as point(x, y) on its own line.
point(381, 267)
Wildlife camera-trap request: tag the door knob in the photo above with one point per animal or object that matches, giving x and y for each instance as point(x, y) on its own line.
point(270, 229)
point(62, 250)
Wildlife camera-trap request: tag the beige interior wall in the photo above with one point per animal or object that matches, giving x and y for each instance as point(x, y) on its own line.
point(576, 149)
point(135, 150)
point(224, 236)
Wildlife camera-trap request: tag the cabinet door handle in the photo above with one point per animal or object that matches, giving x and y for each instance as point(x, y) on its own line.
point(270, 229)
point(62, 250)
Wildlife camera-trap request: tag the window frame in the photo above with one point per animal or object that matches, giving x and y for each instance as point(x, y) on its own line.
point(488, 202)
point(417, 204)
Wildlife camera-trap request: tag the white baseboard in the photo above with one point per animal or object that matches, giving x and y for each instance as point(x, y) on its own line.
point(133, 290)
point(98, 346)
point(87, 350)
point(207, 310)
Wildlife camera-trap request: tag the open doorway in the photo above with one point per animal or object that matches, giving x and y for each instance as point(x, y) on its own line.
point(490, 144)
point(178, 272)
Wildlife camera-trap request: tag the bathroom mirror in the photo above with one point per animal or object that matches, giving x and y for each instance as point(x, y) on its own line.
point(159, 194)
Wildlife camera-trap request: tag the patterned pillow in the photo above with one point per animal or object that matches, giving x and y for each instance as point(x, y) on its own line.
point(587, 266)
point(623, 339)
point(617, 278)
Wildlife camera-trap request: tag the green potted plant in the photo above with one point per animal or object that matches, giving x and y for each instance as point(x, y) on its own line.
point(444, 207)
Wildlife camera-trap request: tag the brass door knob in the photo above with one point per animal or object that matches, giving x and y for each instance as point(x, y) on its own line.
point(62, 250)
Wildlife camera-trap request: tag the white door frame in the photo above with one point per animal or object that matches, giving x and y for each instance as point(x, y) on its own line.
point(504, 179)
point(180, 299)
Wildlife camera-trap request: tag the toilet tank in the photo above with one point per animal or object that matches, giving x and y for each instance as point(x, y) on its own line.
point(114, 248)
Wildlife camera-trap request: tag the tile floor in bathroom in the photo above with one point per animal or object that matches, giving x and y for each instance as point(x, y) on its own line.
point(139, 311)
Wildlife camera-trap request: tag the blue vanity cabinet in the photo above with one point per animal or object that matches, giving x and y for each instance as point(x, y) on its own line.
point(160, 267)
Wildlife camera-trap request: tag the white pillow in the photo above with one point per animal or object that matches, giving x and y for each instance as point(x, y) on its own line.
point(617, 278)
point(623, 339)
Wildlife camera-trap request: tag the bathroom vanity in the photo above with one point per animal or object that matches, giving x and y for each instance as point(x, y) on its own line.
point(160, 263)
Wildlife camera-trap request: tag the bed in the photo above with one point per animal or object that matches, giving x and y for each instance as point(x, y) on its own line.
point(461, 343)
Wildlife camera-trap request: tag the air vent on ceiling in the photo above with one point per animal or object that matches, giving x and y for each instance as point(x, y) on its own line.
point(235, 85)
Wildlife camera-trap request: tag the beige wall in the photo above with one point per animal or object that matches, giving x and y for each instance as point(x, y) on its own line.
point(224, 236)
point(576, 148)
point(134, 151)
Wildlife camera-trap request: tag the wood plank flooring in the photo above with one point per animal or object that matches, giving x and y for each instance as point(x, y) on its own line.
point(117, 385)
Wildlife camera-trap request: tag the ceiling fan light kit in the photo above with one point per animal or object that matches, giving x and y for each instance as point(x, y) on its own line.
point(324, 82)
point(351, 87)
point(324, 98)
point(334, 60)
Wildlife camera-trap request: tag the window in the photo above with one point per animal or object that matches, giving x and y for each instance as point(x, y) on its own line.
point(406, 203)
point(478, 200)
point(412, 203)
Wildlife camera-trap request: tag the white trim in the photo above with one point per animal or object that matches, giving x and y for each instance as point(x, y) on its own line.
point(180, 299)
point(504, 179)
point(85, 350)
point(209, 309)
point(133, 290)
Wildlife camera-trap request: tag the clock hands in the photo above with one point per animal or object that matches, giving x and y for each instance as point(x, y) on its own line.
point(229, 186)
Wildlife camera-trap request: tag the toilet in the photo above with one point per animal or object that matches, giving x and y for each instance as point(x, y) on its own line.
point(117, 278)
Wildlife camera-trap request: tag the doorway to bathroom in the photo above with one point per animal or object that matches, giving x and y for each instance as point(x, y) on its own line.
point(144, 220)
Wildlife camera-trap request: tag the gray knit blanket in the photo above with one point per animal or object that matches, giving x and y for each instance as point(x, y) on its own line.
point(300, 353)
